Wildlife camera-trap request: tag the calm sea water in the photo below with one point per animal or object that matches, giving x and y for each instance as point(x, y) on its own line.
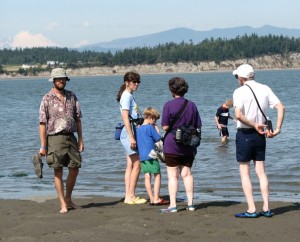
point(215, 169)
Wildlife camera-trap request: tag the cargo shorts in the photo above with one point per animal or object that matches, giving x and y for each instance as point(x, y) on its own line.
point(63, 151)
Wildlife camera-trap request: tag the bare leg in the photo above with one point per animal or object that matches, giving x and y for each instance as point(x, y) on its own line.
point(59, 185)
point(247, 185)
point(131, 176)
point(149, 187)
point(157, 179)
point(71, 180)
point(224, 140)
point(172, 184)
point(264, 183)
point(188, 181)
point(127, 178)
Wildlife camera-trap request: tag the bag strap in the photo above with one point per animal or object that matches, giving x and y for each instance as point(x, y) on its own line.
point(257, 102)
point(130, 118)
point(131, 121)
point(177, 116)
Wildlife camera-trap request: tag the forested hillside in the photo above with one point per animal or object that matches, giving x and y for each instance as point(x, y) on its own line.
point(208, 50)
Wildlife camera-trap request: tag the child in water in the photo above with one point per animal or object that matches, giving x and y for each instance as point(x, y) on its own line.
point(221, 119)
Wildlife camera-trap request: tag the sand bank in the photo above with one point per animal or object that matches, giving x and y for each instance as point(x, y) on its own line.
point(272, 62)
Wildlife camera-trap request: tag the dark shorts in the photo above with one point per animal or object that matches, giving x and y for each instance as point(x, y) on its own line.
point(250, 145)
point(224, 131)
point(63, 151)
point(176, 160)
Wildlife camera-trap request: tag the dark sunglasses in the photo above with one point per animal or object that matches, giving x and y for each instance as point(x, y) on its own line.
point(138, 82)
point(236, 76)
point(59, 79)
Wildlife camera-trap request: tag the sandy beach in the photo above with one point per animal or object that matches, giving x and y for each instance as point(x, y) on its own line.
point(109, 219)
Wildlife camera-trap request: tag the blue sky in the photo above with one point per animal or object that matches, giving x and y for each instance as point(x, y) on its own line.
point(72, 23)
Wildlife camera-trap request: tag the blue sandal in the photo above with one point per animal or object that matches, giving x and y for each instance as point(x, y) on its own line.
point(168, 210)
point(247, 215)
point(267, 214)
point(191, 207)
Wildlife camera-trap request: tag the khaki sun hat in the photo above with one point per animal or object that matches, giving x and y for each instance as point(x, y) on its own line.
point(58, 73)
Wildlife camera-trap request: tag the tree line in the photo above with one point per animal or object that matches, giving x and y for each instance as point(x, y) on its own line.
point(247, 46)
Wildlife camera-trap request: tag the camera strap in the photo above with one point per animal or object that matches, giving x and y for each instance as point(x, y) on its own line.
point(177, 116)
point(257, 102)
point(132, 120)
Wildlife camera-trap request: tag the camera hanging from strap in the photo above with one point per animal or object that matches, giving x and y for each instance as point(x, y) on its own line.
point(177, 116)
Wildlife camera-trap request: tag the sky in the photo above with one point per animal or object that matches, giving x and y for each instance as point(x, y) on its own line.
point(73, 23)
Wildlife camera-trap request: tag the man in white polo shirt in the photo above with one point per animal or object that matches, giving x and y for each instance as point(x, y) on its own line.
point(252, 132)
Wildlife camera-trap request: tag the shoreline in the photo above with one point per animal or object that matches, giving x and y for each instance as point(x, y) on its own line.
point(109, 219)
point(198, 199)
point(73, 73)
point(273, 62)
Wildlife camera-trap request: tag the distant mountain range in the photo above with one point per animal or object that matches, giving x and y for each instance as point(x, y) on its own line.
point(6, 43)
point(174, 35)
point(187, 35)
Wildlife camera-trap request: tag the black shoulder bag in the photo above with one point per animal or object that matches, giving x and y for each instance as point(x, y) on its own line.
point(177, 116)
point(268, 122)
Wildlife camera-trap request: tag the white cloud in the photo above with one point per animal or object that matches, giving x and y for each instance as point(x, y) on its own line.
point(81, 43)
point(86, 24)
point(52, 26)
point(25, 39)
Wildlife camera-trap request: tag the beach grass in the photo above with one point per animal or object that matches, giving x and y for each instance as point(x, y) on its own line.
point(11, 68)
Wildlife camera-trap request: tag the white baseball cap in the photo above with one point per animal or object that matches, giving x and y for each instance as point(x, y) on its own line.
point(245, 71)
point(58, 73)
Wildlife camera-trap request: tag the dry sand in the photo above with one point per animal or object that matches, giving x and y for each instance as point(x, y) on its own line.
point(109, 219)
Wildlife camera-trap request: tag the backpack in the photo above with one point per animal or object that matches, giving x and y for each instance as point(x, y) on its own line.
point(188, 135)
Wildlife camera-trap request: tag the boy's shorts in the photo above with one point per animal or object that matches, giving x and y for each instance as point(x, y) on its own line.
point(224, 131)
point(250, 145)
point(63, 151)
point(150, 166)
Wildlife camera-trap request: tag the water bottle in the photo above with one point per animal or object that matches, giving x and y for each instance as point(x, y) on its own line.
point(199, 132)
point(178, 135)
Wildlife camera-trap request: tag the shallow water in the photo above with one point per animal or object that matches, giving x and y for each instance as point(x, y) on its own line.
point(215, 169)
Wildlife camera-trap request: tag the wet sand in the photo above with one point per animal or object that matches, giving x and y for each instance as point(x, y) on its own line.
point(109, 219)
